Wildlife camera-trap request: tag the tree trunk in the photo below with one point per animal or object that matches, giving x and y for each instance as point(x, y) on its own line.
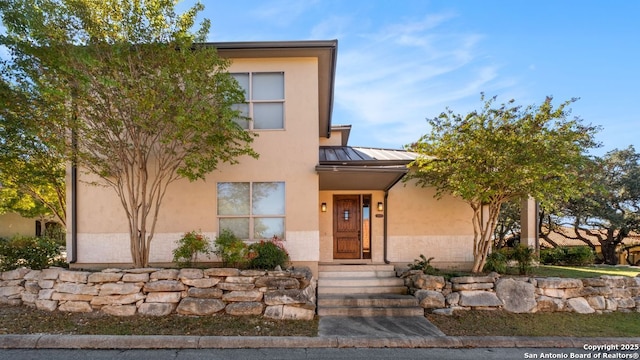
point(483, 230)
point(608, 249)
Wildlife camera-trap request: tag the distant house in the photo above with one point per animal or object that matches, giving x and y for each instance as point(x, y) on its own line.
point(331, 202)
point(628, 252)
point(12, 224)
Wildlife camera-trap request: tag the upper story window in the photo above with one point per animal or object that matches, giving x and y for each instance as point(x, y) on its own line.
point(264, 92)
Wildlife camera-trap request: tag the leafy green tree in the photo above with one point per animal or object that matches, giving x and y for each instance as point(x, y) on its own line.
point(502, 153)
point(610, 210)
point(32, 174)
point(133, 97)
point(508, 226)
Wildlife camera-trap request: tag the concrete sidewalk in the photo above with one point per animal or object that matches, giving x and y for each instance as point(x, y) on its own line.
point(377, 326)
point(333, 332)
point(241, 342)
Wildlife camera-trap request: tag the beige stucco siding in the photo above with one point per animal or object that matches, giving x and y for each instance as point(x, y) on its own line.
point(12, 224)
point(326, 224)
point(418, 224)
point(288, 155)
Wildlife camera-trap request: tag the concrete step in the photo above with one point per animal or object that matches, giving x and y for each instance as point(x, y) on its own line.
point(360, 273)
point(360, 281)
point(368, 300)
point(355, 267)
point(361, 290)
point(369, 311)
point(369, 305)
point(367, 290)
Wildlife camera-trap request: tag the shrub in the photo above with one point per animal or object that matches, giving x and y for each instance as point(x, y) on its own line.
point(577, 255)
point(496, 261)
point(423, 264)
point(553, 256)
point(231, 249)
point(268, 254)
point(189, 246)
point(580, 255)
point(33, 252)
point(524, 255)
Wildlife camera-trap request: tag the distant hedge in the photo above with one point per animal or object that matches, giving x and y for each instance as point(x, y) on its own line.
point(575, 255)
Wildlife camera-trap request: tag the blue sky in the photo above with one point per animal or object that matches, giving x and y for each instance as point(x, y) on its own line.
point(402, 61)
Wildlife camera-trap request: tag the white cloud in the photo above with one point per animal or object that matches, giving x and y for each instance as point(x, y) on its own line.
point(331, 28)
point(396, 76)
point(282, 12)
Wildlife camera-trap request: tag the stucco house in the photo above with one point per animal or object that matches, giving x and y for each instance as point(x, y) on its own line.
point(331, 202)
point(13, 224)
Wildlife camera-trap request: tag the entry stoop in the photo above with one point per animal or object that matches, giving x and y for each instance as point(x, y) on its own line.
point(363, 290)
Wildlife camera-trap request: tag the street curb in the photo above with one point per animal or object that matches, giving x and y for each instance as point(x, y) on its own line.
point(237, 342)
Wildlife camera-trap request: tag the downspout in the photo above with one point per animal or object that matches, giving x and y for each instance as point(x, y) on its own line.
point(385, 221)
point(74, 187)
point(384, 226)
point(74, 215)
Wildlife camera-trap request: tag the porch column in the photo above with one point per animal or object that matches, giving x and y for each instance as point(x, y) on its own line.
point(529, 223)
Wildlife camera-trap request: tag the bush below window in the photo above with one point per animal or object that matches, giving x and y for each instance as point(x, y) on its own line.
point(268, 254)
point(189, 246)
point(231, 249)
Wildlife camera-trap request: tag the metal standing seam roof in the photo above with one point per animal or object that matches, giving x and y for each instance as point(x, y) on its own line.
point(358, 168)
point(348, 155)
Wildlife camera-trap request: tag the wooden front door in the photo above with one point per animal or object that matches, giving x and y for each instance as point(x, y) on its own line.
point(346, 227)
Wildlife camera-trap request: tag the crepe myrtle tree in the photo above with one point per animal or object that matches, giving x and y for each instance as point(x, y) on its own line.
point(135, 99)
point(501, 153)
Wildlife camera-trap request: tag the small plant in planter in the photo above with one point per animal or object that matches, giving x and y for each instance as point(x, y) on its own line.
point(189, 246)
point(268, 254)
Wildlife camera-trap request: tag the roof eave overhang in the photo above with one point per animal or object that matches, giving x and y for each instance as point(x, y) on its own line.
point(326, 51)
point(365, 163)
point(336, 177)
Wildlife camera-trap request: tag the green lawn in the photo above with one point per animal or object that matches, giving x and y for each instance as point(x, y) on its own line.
point(584, 271)
point(563, 271)
point(502, 323)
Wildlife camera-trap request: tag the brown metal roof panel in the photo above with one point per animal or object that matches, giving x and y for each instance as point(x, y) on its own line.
point(330, 154)
point(341, 154)
point(357, 155)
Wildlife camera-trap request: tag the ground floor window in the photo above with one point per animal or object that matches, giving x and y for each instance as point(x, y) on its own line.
point(252, 210)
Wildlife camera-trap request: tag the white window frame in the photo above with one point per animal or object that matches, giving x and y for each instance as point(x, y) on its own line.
point(252, 216)
point(250, 101)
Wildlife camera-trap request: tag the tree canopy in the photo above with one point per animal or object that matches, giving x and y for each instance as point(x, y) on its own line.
point(610, 210)
point(500, 153)
point(130, 93)
point(31, 173)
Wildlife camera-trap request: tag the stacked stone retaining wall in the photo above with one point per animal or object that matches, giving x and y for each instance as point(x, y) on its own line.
point(287, 294)
point(524, 294)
